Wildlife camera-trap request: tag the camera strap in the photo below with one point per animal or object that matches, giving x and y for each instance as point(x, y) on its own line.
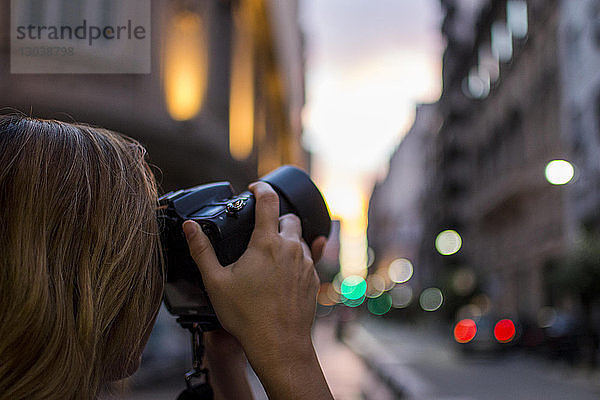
point(196, 379)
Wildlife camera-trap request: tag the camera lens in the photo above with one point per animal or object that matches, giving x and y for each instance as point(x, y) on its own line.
point(299, 195)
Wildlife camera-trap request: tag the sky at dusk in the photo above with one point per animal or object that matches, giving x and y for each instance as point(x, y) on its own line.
point(368, 63)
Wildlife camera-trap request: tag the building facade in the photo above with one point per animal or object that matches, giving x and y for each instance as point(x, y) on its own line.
point(222, 99)
point(396, 224)
point(580, 61)
point(501, 107)
point(484, 166)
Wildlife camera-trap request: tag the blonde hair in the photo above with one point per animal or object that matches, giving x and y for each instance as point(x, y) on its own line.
point(80, 275)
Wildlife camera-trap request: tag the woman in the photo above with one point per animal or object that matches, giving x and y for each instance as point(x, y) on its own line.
point(81, 282)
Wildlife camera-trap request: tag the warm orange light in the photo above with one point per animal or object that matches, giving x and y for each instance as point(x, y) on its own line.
point(347, 201)
point(241, 95)
point(185, 65)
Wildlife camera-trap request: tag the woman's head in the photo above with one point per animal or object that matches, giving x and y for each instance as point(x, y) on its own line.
point(80, 282)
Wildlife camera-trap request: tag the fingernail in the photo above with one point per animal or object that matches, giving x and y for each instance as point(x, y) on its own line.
point(189, 228)
point(250, 186)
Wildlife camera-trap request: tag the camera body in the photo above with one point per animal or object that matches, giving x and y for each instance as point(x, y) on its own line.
point(228, 221)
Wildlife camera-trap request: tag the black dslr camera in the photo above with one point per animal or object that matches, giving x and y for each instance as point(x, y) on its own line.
point(228, 221)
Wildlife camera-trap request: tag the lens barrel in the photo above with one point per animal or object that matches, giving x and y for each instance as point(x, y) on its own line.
point(299, 195)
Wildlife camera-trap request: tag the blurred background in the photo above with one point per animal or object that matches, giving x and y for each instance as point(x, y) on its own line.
point(455, 141)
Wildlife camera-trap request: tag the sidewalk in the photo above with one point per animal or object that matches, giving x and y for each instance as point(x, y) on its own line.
point(348, 376)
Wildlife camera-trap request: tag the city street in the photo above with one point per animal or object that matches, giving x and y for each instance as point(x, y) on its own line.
point(383, 360)
point(428, 366)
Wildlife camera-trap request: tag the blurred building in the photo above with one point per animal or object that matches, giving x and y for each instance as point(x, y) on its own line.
point(483, 171)
point(501, 110)
point(222, 100)
point(396, 222)
point(580, 62)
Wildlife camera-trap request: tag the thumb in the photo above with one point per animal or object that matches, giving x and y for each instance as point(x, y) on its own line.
point(201, 250)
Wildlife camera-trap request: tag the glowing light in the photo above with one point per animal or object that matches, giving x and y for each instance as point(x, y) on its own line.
point(400, 270)
point(502, 47)
point(504, 331)
point(448, 242)
point(344, 200)
point(465, 331)
point(241, 91)
point(185, 66)
point(431, 299)
point(488, 63)
point(386, 82)
point(402, 296)
point(375, 285)
point(516, 16)
point(353, 287)
point(389, 284)
point(478, 83)
point(347, 201)
point(559, 172)
point(380, 305)
point(353, 302)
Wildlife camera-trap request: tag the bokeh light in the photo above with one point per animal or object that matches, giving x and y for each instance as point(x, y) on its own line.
point(337, 283)
point(448, 242)
point(431, 299)
point(353, 302)
point(380, 305)
point(465, 330)
point(402, 296)
point(389, 284)
point(559, 172)
point(504, 331)
point(400, 270)
point(375, 285)
point(186, 65)
point(353, 287)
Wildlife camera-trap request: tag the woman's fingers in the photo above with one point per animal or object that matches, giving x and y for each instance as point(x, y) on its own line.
point(202, 251)
point(317, 247)
point(266, 209)
point(290, 227)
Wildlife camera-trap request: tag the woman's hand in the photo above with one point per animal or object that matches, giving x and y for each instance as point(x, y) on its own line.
point(267, 298)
